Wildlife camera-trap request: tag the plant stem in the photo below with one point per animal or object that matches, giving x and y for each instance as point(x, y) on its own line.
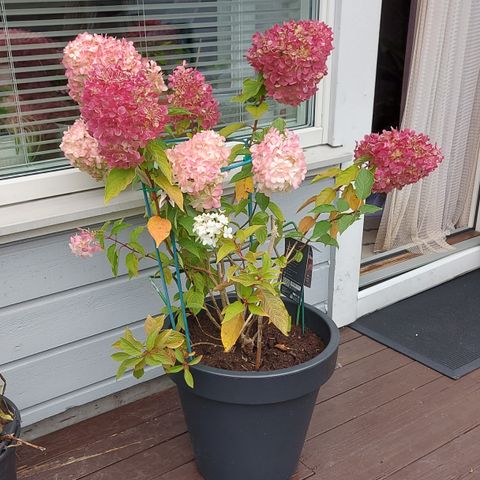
point(18, 442)
point(258, 360)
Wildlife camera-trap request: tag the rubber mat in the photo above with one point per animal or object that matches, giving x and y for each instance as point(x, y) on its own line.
point(439, 327)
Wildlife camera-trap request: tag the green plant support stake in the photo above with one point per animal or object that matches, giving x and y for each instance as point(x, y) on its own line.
point(166, 298)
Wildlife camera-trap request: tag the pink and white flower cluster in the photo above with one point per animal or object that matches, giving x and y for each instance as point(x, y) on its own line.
point(84, 244)
point(292, 58)
point(278, 162)
point(119, 95)
point(196, 166)
point(400, 157)
point(82, 150)
point(191, 92)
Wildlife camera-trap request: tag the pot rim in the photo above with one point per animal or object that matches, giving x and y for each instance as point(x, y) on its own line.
point(329, 350)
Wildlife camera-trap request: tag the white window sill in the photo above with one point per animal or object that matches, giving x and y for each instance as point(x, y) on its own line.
point(64, 212)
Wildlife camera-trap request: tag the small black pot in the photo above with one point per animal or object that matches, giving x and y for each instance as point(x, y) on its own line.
point(252, 425)
point(8, 458)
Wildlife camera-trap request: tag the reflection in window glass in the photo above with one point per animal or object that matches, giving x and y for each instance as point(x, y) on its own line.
point(211, 35)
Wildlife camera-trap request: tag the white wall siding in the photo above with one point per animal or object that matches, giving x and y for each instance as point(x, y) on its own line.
point(60, 314)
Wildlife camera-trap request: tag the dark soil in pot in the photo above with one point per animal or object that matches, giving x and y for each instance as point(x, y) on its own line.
point(8, 459)
point(248, 425)
point(278, 350)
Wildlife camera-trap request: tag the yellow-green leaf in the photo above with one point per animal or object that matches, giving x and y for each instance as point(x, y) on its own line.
point(118, 179)
point(171, 190)
point(232, 310)
point(328, 173)
point(231, 331)
point(327, 195)
point(153, 323)
point(346, 176)
point(225, 249)
point(232, 128)
point(159, 228)
point(257, 112)
point(276, 311)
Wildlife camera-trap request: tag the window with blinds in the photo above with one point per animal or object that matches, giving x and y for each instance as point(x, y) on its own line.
point(211, 35)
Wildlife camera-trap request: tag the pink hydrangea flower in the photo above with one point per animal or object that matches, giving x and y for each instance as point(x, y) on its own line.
point(90, 54)
point(82, 150)
point(123, 112)
point(84, 244)
point(197, 164)
point(190, 91)
point(400, 157)
point(278, 162)
point(292, 58)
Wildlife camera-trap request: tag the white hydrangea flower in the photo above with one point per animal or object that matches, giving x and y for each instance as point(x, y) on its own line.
point(210, 227)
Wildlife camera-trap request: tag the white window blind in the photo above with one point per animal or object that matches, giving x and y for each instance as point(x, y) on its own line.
point(212, 35)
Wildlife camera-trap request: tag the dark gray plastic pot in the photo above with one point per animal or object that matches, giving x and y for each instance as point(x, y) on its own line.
point(8, 458)
point(252, 425)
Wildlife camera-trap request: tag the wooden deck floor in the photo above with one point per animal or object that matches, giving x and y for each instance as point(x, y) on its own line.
point(381, 416)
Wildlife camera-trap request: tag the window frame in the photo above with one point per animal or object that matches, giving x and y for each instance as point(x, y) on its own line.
point(67, 180)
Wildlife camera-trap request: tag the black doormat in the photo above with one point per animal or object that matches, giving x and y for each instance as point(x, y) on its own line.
point(439, 327)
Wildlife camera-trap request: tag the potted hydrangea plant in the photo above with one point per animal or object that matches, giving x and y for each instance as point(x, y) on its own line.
point(247, 375)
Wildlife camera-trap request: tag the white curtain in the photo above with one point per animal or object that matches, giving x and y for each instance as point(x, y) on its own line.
point(443, 101)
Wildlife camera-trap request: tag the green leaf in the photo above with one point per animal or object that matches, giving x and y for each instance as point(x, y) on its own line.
point(276, 311)
point(194, 300)
point(369, 208)
point(245, 172)
point(138, 247)
point(242, 235)
point(126, 364)
point(342, 205)
point(232, 310)
point(136, 232)
point(131, 262)
point(250, 89)
point(260, 218)
point(155, 151)
point(172, 191)
point(120, 356)
point(321, 227)
point(328, 173)
point(324, 209)
point(187, 375)
point(328, 240)
point(257, 310)
point(277, 212)
point(346, 176)
point(345, 221)
point(261, 235)
point(192, 247)
point(364, 183)
point(187, 223)
point(228, 246)
point(118, 226)
point(257, 112)
point(280, 124)
point(262, 200)
point(178, 111)
point(118, 179)
point(238, 149)
point(231, 128)
point(112, 257)
point(151, 338)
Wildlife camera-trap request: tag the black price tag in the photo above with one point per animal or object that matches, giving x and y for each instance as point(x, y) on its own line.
point(297, 274)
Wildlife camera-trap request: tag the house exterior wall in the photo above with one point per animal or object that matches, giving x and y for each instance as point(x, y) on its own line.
point(59, 315)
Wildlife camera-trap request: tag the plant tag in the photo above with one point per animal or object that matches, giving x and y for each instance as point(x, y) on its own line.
point(297, 274)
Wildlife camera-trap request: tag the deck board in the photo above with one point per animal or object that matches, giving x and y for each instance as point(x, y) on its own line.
point(381, 416)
